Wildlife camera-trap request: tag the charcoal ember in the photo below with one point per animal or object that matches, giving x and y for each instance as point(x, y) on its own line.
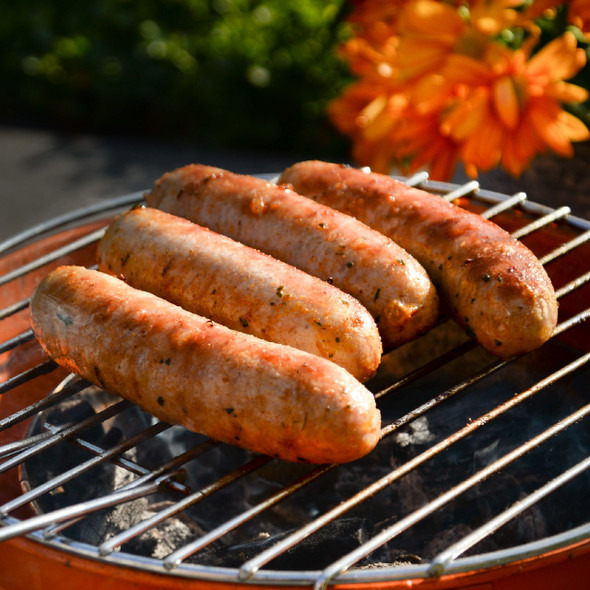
point(160, 540)
point(441, 539)
point(221, 459)
point(483, 503)
point(404, 560)
point(389, 557)
point(73, 411)
point(315, 552)
point(70, 411)
point(151, 453)
point(100, 526)
point(204, 471)
point(154, 452)
point(124, 425)
point(53, 460)
point(56, 459)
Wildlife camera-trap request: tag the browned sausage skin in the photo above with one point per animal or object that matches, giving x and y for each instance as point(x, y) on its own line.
point(188, 370)
point(218, 278)
point(493, 285)
point(317, 239)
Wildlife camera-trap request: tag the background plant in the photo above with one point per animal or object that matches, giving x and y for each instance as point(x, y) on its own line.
point(330, 78)
point(230, 72)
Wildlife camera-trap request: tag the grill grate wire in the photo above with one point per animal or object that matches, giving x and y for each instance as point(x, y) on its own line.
point(47, 527)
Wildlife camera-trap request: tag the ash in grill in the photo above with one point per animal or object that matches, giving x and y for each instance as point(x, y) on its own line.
point(481, 461)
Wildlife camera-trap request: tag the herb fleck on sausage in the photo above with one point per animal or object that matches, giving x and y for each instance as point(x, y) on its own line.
point(66, 319)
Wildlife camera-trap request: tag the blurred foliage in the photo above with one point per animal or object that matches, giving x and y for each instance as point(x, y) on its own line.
point(551, 28)
point(233, 72)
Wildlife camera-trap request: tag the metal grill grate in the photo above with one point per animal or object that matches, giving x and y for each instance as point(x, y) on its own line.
point(405, 398)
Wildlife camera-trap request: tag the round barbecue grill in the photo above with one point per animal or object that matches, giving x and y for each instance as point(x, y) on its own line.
point(480, 479)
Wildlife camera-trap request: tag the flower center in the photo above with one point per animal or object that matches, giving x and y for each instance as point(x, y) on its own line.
point(472, 43)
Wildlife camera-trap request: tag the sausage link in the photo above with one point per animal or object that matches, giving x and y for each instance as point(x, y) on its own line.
point(216, 277)
point(188, 370)
point(317, 239)
point(493, 285)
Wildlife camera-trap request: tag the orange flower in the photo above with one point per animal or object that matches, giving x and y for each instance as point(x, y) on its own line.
point(491, 16)
point(366, 59)
point(370, 115)
point(423, 145)
point(375, 40)
point(431, 31)
point(428, 33)
point(397, 128)
point(436, 87)
point(518, 113)
point(419, 137)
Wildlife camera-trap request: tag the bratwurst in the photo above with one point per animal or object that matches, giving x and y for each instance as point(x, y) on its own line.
point(492, 284)
point(317, 239)
point(188, 370)
point(216, 277)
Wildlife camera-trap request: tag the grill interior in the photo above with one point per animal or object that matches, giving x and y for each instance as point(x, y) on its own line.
point(482, 462)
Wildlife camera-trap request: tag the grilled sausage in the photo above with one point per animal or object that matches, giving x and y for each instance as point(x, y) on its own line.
point(492, 284)
point(188, 370)
point(214, 276)
point(317, 239)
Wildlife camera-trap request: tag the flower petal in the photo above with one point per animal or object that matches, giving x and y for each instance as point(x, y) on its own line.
point(430, 93)
point(520, 147)
point(546, 117)
point(573, 127)
point(559, 59)
point(484, 148)
point(467, 116)
point(434, 19)
point(416, 57)
point(506, 101)
point(566, 92)
point(463, 69)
